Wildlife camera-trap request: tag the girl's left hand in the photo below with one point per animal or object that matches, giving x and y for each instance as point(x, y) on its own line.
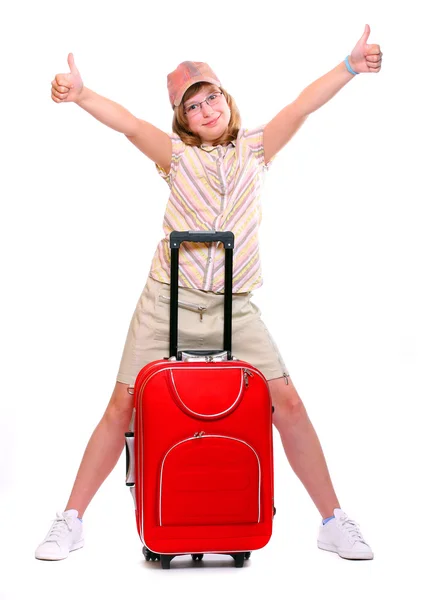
point(366, 58)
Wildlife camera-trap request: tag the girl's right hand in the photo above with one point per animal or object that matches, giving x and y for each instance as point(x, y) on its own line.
point(67, 87)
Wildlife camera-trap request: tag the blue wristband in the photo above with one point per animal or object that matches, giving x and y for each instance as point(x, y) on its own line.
point(347, 64)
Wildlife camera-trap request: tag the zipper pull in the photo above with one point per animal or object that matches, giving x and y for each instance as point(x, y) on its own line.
point(247, 374)
point(199, 434)
point(201, 309)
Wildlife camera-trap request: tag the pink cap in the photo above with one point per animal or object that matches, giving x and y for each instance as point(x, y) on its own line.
point(185, 75)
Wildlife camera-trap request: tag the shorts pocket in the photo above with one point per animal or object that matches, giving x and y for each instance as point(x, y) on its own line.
point(190, 320)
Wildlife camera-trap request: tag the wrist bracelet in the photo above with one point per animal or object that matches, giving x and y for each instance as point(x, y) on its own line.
point(347, 64)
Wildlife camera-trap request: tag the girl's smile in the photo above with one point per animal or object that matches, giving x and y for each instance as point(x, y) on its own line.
point(212, 123)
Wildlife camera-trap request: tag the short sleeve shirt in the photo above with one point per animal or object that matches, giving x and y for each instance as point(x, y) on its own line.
point(214, 188)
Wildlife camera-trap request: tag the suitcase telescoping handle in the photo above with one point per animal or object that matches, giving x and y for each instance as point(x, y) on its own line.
point(176, 239)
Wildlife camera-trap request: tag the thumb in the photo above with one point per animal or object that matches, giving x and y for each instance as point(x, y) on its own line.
point(71, 64)
point(365, 35)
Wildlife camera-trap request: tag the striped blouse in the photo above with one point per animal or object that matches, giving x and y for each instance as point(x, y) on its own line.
point(214, 187)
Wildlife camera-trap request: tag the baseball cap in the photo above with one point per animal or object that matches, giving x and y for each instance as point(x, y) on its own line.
point(185, 75)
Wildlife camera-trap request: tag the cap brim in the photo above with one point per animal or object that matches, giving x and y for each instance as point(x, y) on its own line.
point(191, 82)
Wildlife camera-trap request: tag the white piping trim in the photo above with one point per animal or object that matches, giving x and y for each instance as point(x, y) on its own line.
point(210, 436)
point(252, 369)
point(161, 473)
point(207, 416)
point(184, 553)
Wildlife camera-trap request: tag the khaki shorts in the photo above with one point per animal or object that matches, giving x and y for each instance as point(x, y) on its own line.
point(148, 335)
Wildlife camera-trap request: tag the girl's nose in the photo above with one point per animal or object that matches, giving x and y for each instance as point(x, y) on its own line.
point(207, 109)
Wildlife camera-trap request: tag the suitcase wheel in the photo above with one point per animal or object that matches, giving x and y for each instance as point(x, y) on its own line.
point(149, 555)
point(197, 557)
point(247, 555)
point(165, 560)
point(239, 558)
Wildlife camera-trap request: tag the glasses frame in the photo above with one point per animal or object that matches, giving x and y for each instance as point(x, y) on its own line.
point(186, 112)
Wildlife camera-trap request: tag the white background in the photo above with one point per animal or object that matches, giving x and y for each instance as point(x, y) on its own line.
point(347, 252)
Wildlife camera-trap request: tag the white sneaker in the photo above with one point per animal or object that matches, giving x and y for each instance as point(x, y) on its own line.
point(341, 535)
point(65, 535)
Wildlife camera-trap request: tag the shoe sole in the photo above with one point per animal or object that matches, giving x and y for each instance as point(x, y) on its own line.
point(353, 556)
point(76, 546)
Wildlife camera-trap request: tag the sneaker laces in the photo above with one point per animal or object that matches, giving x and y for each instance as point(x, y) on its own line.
point(351, 528)
point(58, 528)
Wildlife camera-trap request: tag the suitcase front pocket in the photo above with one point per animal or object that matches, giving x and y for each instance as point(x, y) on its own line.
point(210, 480)
point(188, 390)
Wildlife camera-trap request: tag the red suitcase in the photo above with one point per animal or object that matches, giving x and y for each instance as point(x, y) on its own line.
point(200, 452)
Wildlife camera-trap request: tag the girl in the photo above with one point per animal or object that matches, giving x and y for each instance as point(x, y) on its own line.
point(214, 169)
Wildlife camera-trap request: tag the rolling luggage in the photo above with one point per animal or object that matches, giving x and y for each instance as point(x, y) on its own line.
point(200, 449)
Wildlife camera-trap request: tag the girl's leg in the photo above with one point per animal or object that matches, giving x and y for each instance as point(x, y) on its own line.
point(103, 449)
point(301, 444)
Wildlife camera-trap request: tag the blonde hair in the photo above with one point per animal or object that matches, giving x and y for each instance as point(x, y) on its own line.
point(180, 123)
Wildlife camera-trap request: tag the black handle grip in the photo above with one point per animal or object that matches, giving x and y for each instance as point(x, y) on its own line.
point(226, 237)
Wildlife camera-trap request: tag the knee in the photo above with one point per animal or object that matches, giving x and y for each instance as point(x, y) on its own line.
point(120, 407)
point(288, 409)
point(288, 406)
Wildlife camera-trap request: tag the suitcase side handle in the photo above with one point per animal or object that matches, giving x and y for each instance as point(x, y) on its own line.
point(175, 240)
point(130, 478)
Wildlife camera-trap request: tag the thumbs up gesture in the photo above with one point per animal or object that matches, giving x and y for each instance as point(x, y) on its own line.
point(67, 87)
point(366, 58)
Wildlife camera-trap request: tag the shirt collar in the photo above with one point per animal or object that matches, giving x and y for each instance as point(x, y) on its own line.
point(209, 148)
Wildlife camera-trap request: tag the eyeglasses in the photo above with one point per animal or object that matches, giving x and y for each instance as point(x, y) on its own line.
point(196, 107)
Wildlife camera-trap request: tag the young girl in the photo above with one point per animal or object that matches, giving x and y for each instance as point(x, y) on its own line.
point(214, 169)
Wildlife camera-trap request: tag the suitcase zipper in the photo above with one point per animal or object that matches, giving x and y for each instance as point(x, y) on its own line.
point(247, 374)
point(188, 410)
point(164, 367)
point(188, 305)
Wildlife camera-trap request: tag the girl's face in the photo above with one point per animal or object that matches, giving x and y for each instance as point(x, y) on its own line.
point(209, 122)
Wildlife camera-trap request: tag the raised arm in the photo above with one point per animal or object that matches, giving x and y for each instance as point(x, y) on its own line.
point(68, 87)
point(365, 58)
